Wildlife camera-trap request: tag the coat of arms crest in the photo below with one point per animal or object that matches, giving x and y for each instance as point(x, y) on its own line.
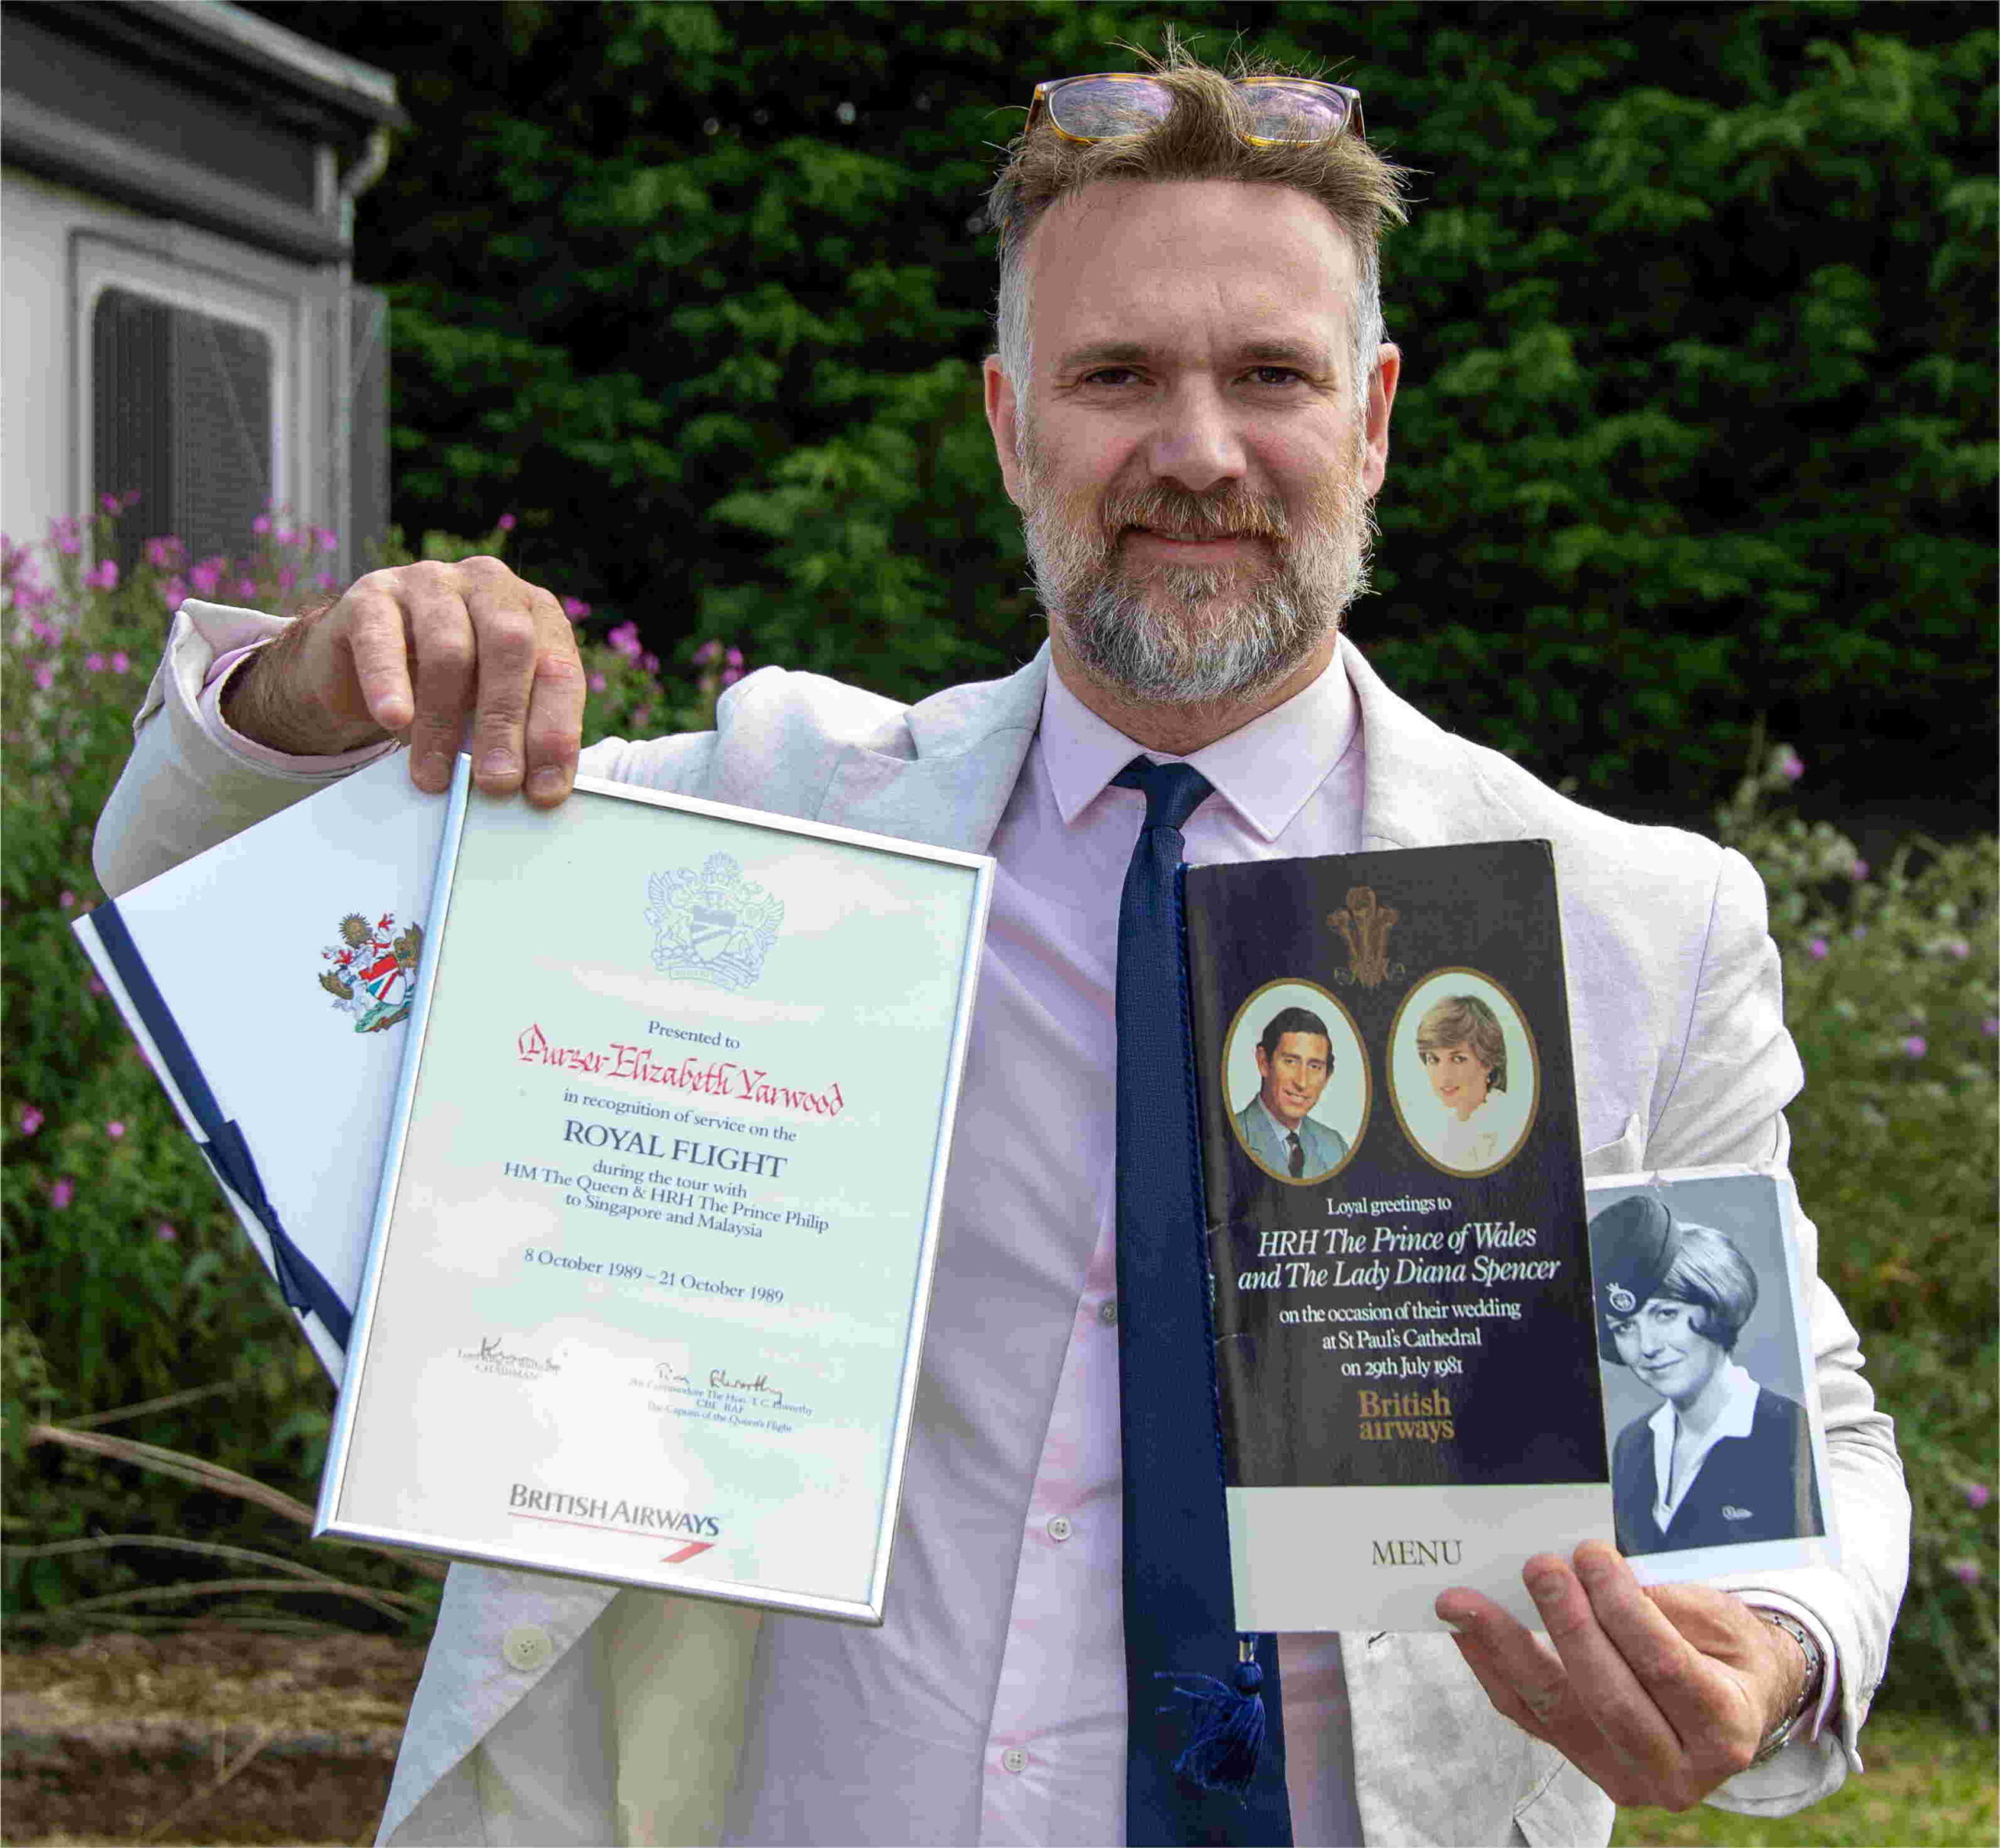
point(713, 926)
point(372, 971)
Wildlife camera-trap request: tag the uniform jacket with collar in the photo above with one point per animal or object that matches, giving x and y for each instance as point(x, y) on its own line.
point(1682, 1060)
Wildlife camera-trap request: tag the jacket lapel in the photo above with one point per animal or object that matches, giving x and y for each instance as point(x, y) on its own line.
point(968, 743)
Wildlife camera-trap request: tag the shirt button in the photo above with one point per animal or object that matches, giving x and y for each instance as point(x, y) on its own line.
point(1059, 1527)
point(1107, 1311)
point(1014, 1759)
point(527, 1647)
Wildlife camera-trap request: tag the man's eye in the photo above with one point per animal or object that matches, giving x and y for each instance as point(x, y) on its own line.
point(1283, 371)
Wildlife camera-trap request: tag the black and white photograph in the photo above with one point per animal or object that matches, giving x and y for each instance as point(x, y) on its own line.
point(1702, 1354)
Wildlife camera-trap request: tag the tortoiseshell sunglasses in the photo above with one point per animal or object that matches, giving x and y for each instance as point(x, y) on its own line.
point(1282, 110)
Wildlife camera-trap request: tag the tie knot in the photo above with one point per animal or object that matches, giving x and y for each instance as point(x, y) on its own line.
point(1173, 791)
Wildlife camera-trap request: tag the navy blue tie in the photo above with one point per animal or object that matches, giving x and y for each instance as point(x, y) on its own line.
point(1186, 1726)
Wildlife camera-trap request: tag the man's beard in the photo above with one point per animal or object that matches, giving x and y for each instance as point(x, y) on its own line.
point(1191, 634)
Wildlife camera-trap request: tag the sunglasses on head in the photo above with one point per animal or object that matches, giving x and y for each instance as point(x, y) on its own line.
point(1282, 110)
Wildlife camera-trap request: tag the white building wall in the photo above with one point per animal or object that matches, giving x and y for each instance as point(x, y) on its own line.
point(58, 247)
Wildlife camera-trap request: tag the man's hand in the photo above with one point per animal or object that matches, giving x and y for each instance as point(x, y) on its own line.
point(1656, 1694)
point(412, 653)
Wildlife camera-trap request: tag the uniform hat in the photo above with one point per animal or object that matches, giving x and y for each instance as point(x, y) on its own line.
point(1633, 1246)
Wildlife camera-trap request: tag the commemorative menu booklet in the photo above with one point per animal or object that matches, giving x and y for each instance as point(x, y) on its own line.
point(645, 1291)
point(268, 982)
point(1405, 1348)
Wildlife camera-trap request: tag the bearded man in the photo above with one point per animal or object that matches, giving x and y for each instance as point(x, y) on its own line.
point(1190, 406)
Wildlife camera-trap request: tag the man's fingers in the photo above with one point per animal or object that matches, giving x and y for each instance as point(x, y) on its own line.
point(441, 636)
point(378, 645)
point(503, 624)
point(1610, 1687)
point(555, 725)
point(1507, 1698)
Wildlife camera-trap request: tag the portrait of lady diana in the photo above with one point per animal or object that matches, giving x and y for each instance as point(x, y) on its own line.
point(1722, 1460)
point(1465, 1057)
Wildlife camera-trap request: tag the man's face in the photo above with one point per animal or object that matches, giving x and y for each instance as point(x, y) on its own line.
point(1294, 1072)
point(1195, 471)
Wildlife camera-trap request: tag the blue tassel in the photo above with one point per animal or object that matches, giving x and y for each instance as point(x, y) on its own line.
point(1229, 1726)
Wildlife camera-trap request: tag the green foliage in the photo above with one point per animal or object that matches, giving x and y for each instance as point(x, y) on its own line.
point(1695, 422)
point(127, 1276)
point(1891, 997)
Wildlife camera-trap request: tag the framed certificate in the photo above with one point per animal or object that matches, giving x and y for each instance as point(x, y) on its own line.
point(645, 1295)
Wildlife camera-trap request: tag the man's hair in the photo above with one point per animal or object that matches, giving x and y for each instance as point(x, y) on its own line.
point(1712, 1276)
point(1295, 1020)
point(1199, 140)
point(1464, 1020)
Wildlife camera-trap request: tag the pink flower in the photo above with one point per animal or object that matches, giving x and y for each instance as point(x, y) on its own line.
point(108, 502)
point(65, 898)
point(1958, 947)
point(45, 677)
point(287, 577)
point(1991, 1025)
point(261, 524)
point(130, 498)
point(323, 581)
point(1859, 869)
point(625, 638)
point(731, 675)
point(103, 577)
point(246, 588)
point(205, 576)
point(708, 654)
point(506, 523)
point(733, 657)
point(165, 1233)
point(62, 1193)
point(94, 663)
point(1917, 1045)
point(115, 1130)
point(44, 631)
point(120, 661)
point(576, 609)
point(177, 592)
point(650, 663)
point(1965, 1570)
point(1817, 949)
point(287, 537)
point(97, 987)
point(68, 539)
point(1977, 1495)
point(643, 717)
point(31, 1120)
point(596, 682)
point(163, 555)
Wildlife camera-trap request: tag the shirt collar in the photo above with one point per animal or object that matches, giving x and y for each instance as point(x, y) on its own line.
point(1265, 770)
point(1738, 1413)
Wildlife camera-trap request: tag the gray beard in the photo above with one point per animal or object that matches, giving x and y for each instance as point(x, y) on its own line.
point(1193, 634)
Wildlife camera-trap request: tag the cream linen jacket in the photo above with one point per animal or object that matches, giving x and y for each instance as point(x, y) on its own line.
point(631, 1728)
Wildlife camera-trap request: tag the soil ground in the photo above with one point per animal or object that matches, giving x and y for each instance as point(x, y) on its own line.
point(201, 1735)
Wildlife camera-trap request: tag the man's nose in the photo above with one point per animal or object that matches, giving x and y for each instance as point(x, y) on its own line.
point(1197, 444)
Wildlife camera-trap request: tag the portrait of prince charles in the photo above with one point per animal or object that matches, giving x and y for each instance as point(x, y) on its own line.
point(1294, 1061)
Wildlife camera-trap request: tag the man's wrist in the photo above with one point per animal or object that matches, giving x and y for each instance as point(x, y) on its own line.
point(250, 704)
point(1810, 1670)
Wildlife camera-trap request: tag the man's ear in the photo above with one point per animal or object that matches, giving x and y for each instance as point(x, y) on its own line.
point(1002, 418)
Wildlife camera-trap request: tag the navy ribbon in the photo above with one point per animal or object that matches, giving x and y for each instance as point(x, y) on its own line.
point(1223, 1781)
point(305, 1289)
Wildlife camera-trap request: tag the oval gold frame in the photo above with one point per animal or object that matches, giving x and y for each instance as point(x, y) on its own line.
point(1367, 1081)
point(1534, 1058)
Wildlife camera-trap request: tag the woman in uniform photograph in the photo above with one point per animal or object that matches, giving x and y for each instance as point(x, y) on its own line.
point(1722, 1459)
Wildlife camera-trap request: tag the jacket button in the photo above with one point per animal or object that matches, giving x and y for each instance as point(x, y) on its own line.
point(1107, 1311)
point(1014, 1759)
point(1059, 1527)
point(526, 1647)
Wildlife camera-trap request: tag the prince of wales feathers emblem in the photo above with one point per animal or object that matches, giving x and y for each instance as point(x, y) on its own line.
point(713, 926)
point(372, 974)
